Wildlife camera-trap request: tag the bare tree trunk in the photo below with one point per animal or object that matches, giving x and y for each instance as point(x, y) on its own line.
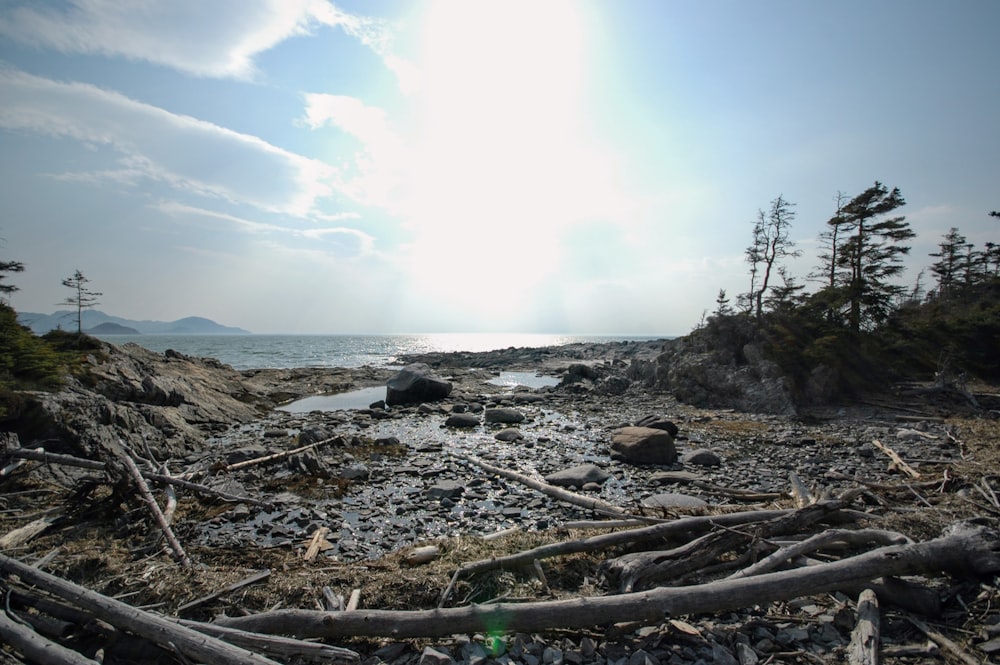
point(964, 550)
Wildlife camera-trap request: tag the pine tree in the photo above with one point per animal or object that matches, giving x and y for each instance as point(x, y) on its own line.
point(871, 254)
point(950, 258)
point(82, 298)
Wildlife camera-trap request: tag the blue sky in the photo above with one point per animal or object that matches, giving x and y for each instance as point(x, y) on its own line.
point(576, 166)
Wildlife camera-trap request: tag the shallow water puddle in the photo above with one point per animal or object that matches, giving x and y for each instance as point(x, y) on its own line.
point(355, 399)
point(527, 379)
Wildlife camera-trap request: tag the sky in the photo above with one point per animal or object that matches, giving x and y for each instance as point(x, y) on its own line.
point(536, 166)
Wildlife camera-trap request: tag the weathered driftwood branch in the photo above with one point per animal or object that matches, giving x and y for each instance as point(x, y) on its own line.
point(897, 461)
point(943, 641)
point(819, 541)
point(800, 493)
point(277, 456)
point(686, 527)
point(147, 497)
point(966, 550)
point(246, 581)
point(545, 488)
point(866, 638)
point(40, 455)
point(35, 647)
point(156, 629)
point(644, 569)
point(23, 534)
point(286, 648)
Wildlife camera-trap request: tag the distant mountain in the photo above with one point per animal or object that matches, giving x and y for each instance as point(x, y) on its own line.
point(108, 328)
point(92, 319)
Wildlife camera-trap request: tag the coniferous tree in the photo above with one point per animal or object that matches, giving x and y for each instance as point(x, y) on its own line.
point(770, 243)
point(6, 267)
point(871, 254)
point(950, 256)
point(82, 298)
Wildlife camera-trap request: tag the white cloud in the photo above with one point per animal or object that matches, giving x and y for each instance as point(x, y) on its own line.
point(217, 38)
point(188, 154)
point(380, 164)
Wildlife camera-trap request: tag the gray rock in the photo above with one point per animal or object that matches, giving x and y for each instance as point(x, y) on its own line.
point(445, 489)
point(578, 476)
point(503, 415)
point(509, 434)
point(431, 656)
point(673, 500)
point(702, 457)
point(643, 445)
point(462, 420)
point(414, 384)
point(658, 422)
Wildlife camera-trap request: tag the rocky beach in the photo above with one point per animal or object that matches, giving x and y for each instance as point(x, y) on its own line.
point(380, 508)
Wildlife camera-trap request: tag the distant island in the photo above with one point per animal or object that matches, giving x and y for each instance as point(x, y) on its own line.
point(96, 322)
point(108, 328)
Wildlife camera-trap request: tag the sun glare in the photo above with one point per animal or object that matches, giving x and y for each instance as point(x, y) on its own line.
point(500, 152)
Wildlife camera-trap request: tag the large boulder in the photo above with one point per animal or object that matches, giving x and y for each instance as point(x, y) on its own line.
point(415, 384)
point(643, 445)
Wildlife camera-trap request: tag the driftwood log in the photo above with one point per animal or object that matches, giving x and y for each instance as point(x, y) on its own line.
point(963, 550)
point(559, 493)
point(644, 569)
point(156, 629)
point(866, 638)
point(39, 455)
point(682, 527)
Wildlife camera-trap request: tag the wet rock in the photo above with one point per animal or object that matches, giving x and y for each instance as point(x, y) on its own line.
point(643, 445)
point(415, 384)
point(702, 457)
point(578, 476)
point(309, 463)
point(503, 415)
point(445, 488)
point(462, 420)
point(509, 434)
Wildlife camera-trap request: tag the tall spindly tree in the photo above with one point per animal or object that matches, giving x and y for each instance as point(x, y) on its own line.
point(770, 243)
point(870, 254)
point(82, 298)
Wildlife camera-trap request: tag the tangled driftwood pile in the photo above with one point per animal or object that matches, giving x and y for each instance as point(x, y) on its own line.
point(712, 563)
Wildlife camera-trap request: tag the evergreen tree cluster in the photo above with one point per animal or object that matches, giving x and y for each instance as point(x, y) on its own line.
point(862, 326)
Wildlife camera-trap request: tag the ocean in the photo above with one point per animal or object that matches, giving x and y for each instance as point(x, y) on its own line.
point(282, 351)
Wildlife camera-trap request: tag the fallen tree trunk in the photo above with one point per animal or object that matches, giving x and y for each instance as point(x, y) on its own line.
point(965, 549)
point(159, 630)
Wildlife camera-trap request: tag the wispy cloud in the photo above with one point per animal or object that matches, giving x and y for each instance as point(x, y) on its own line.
point(355, 241)
point(217, 39)
point(186, 153)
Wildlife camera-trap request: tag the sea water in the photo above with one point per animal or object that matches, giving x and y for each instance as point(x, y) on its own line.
point(283, 351)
